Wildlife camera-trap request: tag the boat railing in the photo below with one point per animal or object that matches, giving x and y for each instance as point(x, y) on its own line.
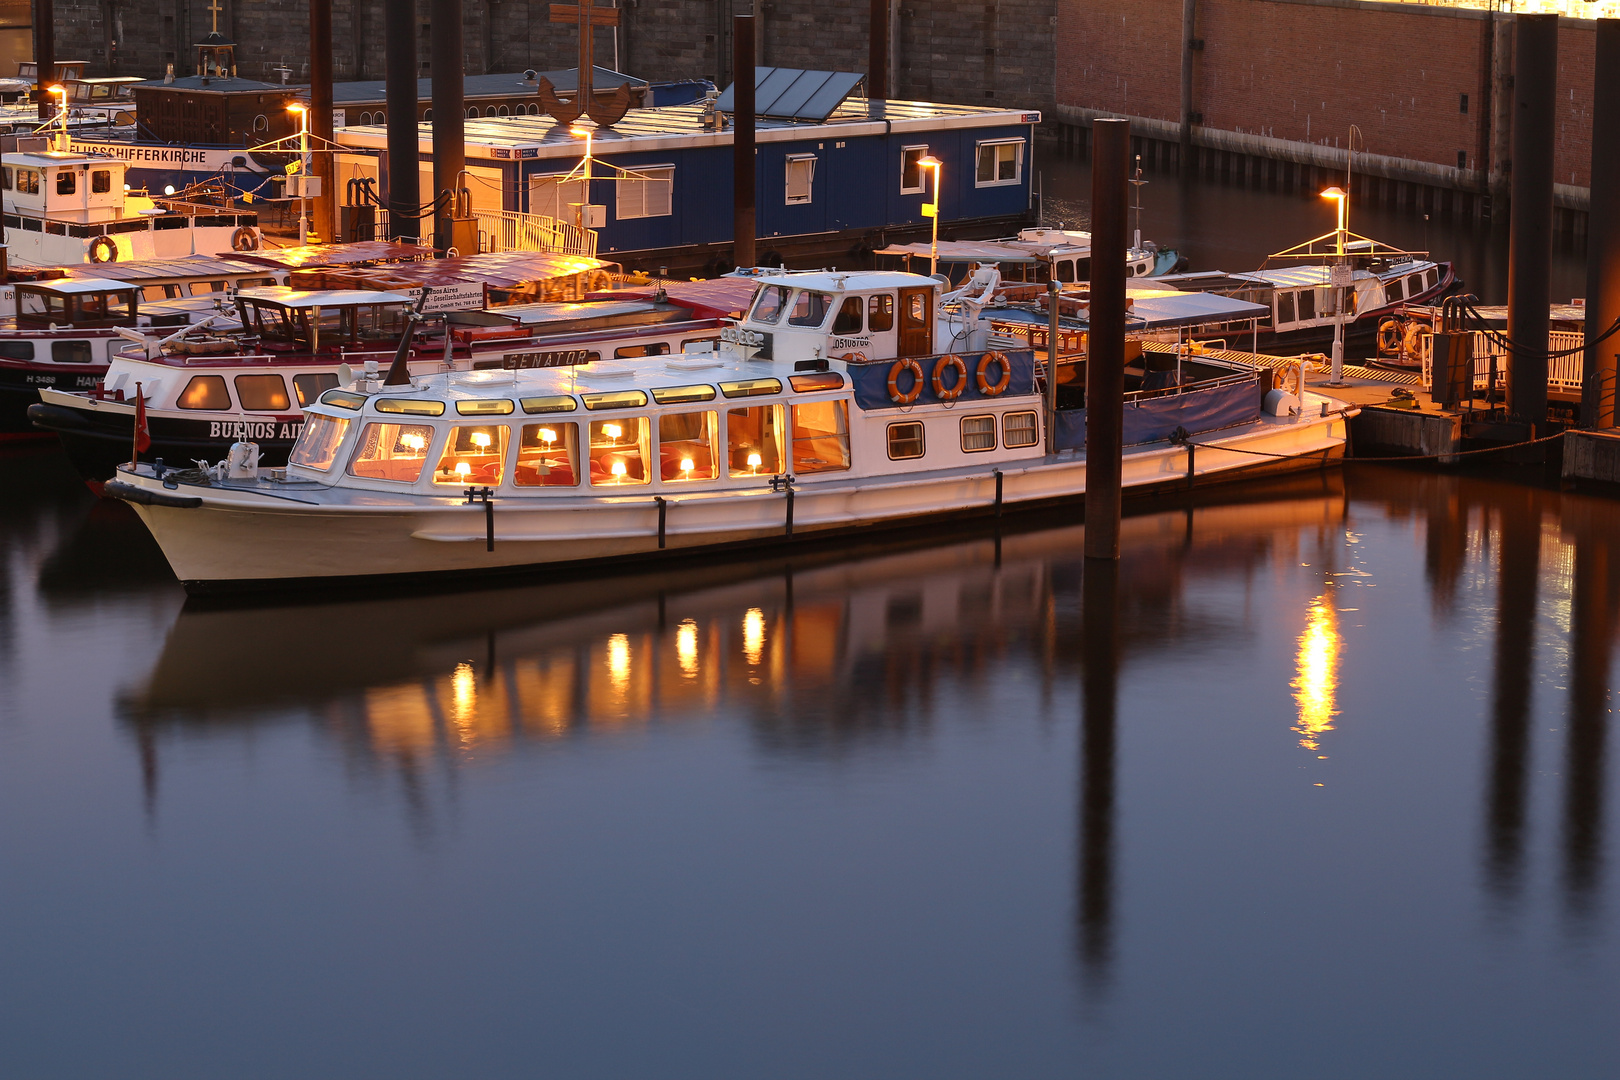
point(1234, 379)
point(146, 223)
point(510, 230)
point(1564, 373)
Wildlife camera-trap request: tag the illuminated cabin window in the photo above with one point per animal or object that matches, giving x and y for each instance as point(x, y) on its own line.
point(978, 433)
point(484, 407)
point(686, 445)
point(821, 437)
point(318, 443)
point(676, 395)
point(262, 393)
point(410, 406)
point(880, 312)
point(619, 451)
point(823, 380)
point(905, 441)
point(473, 455)
point(343, 399)
point(753, 441)
point(652, 348)
point(312, 385)
point(205, 392)
point(548, 456)
point(392, 452)
point(621, 399)
point(1019, 429)
point(751, 387)
point(548, 404)
point(770, 304)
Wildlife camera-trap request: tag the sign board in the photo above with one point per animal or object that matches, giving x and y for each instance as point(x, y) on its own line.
point(463, 296)
point(558, 358)
point(191, 158)
point(1341, 275)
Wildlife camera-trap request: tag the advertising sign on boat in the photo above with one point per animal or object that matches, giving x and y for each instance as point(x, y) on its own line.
point(461, 296)
point(186, 158)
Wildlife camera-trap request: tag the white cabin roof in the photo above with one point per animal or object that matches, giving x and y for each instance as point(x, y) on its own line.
point(76, 286)
point(45, 159)
point(835, 281)
point(310, 298)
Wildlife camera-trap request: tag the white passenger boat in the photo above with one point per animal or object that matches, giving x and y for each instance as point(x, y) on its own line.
point(490, 471)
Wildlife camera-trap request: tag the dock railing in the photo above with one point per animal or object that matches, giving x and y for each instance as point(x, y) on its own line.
point(1563, 372)
point(508, 230)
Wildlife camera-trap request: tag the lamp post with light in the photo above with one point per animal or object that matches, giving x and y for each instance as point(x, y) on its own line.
point(1339, 276)
point(302, 111)
point(62, 141)
point(585, 207)
point(931, 210)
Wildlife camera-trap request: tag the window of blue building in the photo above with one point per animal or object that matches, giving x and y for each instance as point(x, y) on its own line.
point(1000, 162)
point(801, 175)
point(646, 191)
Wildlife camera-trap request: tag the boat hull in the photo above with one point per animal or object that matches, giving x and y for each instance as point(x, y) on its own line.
point(225, 538)
point(20, 386)
point(98, 439)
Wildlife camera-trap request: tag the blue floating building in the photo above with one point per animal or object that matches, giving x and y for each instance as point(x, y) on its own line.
point(836, 174)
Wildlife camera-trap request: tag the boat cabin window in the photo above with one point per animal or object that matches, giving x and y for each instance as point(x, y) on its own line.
point(978, 434)
point(619, 451)
point(1307, 305)
point(28, 181)
point(654, 348)
point(810, 309)
point(1285, 308)
point(905, 441)
point(686, 445)
point(751, 387)
point(5, 178)
point(821, 437)
point(160, 292)
point(768, 306)
point(272, 322)
point(548, 404)
point(548, 456)
point(473, 455)
point(753, 441)
point(312, 385)
point(880, 312)
point(17, 350)
point(849, 316)
point(1019, 429)
point(622, 399)
point(821, 380)
point(262, 393)
point(100, 182)
point(203, 288)
point(343, 399)
point(66, 182)
point(318, 442)
point(205, 392)
point(409, 406)
point(374, 322)
point(70, 352)
point(677, 395)
point(1065, 269)
point(392, 452)
point(484, 406)
point(917, 307)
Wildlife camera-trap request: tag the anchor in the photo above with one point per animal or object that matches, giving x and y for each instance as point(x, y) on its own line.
point(604, 113)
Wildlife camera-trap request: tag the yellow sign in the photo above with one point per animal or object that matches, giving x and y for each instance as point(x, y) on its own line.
point(930, 210)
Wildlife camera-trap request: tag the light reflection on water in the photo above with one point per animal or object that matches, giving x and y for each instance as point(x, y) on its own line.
point(1329, 757)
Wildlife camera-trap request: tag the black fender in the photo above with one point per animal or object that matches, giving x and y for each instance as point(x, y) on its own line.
point(117, 489)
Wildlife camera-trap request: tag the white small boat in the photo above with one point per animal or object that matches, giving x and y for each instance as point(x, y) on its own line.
point(485, 471)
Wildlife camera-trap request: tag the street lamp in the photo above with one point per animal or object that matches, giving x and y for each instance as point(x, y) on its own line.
point(62, 143)
point(302, 111)
point(931, 210)
point(1339, 275)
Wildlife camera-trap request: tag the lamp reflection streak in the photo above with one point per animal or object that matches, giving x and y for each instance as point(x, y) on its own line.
point(1316, 672)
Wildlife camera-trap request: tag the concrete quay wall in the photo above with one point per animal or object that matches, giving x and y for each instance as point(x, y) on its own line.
point(1281, 81)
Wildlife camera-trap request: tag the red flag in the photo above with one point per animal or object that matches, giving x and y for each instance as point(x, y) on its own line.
point(143, 437)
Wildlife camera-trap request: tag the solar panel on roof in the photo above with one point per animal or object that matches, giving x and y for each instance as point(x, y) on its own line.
point(796, 94)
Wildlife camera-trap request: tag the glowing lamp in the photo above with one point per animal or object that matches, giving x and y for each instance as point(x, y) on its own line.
point(168, 189)
point(612, 431)
point(480, 440)
point(463, 469)
point(414, 442)
point(547, 436)
point(755, 461)
point(298, 107)
point(687, 467)
point(618, 469)
point(1333, 193)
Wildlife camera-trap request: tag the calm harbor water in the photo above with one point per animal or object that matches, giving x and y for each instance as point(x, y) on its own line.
point(1316, 786)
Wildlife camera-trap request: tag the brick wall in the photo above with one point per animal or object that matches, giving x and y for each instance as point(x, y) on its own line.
point(969, 51)
point(1305, 70)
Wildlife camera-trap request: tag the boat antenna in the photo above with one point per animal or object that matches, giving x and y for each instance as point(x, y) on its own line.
point(399, 373)
point(1137, 182)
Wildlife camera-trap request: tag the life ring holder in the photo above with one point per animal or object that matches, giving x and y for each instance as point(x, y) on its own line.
point(1389, 337)
point(243, 239)
point(997, 388)
point(898, 368)
point(103, 249)
point(944, 364)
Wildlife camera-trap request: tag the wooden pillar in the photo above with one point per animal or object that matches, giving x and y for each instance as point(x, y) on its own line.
point(1105, 359)
point(322, 164)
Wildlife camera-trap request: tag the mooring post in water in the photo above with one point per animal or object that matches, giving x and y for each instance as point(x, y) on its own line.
point(1053, 292)
point(1535, 79)
point(449, 118)
point(1603, 233)
point(45, 55)
point(404, 182)
point(320, 117)
point(742, 143)
point(1105, 357)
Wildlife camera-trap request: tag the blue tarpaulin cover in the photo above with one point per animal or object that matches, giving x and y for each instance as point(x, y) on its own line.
point(1153, 419)
point(872, 380)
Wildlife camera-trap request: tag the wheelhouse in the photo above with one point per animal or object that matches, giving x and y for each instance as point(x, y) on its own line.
point(76, 302)
point(286, 319)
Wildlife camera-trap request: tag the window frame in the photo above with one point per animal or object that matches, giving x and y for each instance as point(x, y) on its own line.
point(539, 181)
point(643, 186)
point(921, 187)
point(180, 398)
point(921, 440)
point(1034, 430)
point(809, 196)
point(963, 433)
point(1018, 162)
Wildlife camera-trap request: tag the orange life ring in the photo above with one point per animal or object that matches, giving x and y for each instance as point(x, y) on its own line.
point(898, 368)
point(943, 364)
point(994, 389)
point(244, 239)
point(1389, 337)
point(103, 250)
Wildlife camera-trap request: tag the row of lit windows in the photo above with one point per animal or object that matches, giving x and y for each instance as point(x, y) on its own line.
point(617, 452)
point(1018, 429)
point(67, 181)
point(257, 393)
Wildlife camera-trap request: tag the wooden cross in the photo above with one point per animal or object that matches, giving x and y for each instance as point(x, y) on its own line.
point(587, 16)
point(216, 9)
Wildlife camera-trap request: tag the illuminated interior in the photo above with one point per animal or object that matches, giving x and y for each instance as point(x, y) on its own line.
point(753, 441)
point(686, 445)
point(619, 451)
point(473, 455)
point(392, 452)
point(548, 456)
point(821, 436)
